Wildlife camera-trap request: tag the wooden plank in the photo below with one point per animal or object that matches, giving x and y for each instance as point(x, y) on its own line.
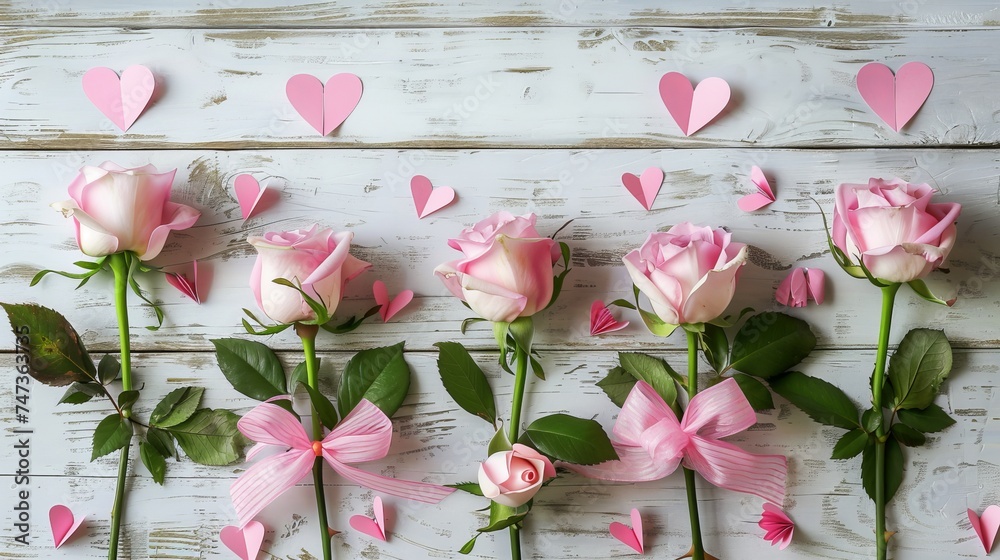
point(367, 192)
point(437, 442)
point(476, 13)
point(519, 87)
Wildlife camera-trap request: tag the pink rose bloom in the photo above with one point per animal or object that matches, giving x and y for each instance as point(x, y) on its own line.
point(511, 478)
point(319, 260)
point(116, 209)
point(893, 227)
point(507, 270)
point(688, 273)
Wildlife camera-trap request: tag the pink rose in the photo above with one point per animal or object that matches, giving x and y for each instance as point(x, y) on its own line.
point(116, 209)
point(511, 478)
point(688, 273)
point(893, 227)
point(507, 270)
point(319, 260)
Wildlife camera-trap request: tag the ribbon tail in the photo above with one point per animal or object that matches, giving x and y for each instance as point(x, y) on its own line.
point(267, 479)
point(634, 464)
point(727, 466)
point(410, 490)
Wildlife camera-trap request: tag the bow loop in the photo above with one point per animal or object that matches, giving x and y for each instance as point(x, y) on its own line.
point(719, 411)
point(364, 435)
point(665, 440)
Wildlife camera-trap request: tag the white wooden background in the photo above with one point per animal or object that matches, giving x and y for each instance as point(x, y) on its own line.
point(538, 107)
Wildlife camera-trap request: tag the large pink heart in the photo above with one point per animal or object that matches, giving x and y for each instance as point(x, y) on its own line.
point(324, 108)
point(120, 99)
point(895, 99)
point(693, 107)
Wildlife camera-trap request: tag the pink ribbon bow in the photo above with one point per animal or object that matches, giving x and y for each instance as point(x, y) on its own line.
point(363, 435)
point(651, 443)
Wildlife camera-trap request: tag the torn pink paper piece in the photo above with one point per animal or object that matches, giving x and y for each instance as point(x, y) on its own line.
point(778, 527)
point(987, 526)
point(693, 107)
point(764, 195)
point(428, 199)
point(629, 536)
point(63, 524)
point(187, 286)
point(895, 99)
point(249, 194)
point(801, 285)
point(388, 308)
point(246, 542)
point(644, 187)
point(374, 528)
point(120, 99)
point(324, 107)
point(602, 321)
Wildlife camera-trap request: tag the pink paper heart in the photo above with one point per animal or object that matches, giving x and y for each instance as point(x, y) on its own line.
point(693, 107)
point(987, 526)
point(324, 107)
point(602, 321)
point(629, 536)
point(764, 195)
point(895, 99)
point(187, 286)
point(63, 524)
point(245, 542)
point(389, 308)
point(645, 187)
point(249, 194)
point(120, 99)
point(374, 528)
point(800, 285)
point(426, 198)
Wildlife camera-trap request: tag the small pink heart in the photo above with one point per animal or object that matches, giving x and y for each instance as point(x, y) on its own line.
point(692, 108)
point(389, 308)
point(120, 99)
point(374, 528)
point(245, 542)
point(629, 536)
point(895, 99)
point(987, 526)
point(645, 187)
point(249, 194)
point(187, 286)
point(324, 107)
point(428, 199)
point(764, 195)
point(63, 524)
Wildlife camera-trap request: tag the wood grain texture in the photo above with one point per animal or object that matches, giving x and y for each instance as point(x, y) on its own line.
point(494, 87)
point(437, 442)
point(480, 13)
point(357, 190)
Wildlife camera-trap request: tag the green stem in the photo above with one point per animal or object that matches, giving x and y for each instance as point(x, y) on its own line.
point(520, 380)
point(308, 335)
point(878, 383)
point(119, 266)
point(697, 546)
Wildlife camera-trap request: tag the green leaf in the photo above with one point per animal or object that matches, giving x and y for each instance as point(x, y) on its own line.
point(522, 330)
point(127, 398)
point(465, 381)
point(154, 462)
point(893, 468)
point(468, 323)
point(502, 516)
point(769, 344)
point(907, 435)
point(617, 385)
point(79, 393)
point(112, 434)
point(210, 437)
point(929, 420)
point(715, 346)
point(470, 487)
point(872, 420)
point(251, 367)
point(468, 546)
point(176, 407)
point(536, 366)
point(300, 375)
point(323, 407)
point(850, 444)
point(755, 392)
point(56, 355)
point(822, 401)
point(571, 439)
point(920, 287)
point(499, 442)
point(623, 303)
point(161, 441)
point(917, 368)
point(380, 375)
point(318, 306)
point(108, 369)
point(654, 371)
point(351, 324)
